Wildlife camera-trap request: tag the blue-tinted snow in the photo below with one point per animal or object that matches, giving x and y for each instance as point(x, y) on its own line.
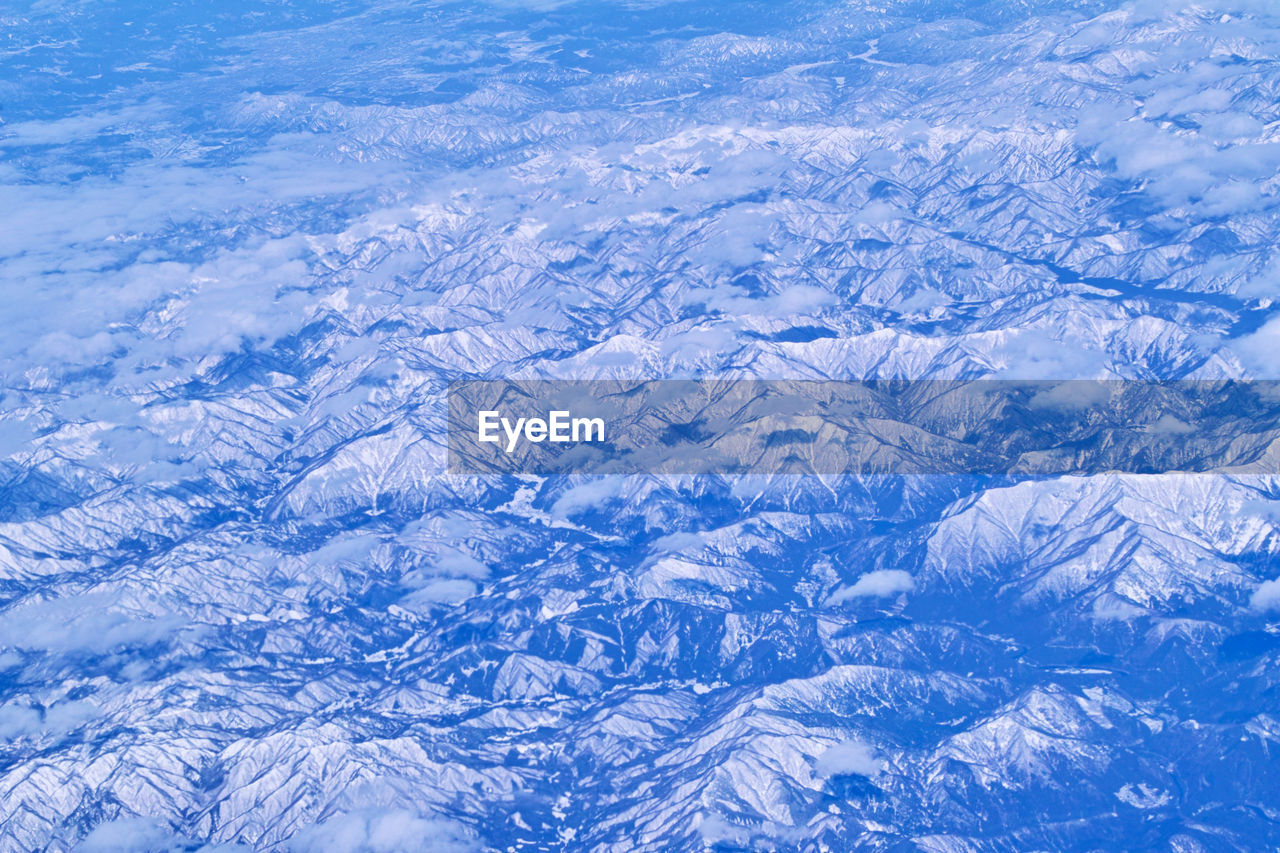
point(243, 246)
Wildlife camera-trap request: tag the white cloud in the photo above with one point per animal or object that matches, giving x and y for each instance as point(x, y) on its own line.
point(591, 495)
point(679, 542)
point(131, 835)
point(1266, 597)
point(21, 720)
point(701, 342)
point(882, 582)
point(849, 758)
point(439, 591)
point(69, 716)
point(739, 239)
point(391, 831)
point(69, 129)
point(1168, 425)
point(145, 835)
point(452, 576)
point(1034, 353)
point(1072, 396)
point(1259, 352)
point(714, 829)
point(801, 299)
point(18, 721)
point(344, 549)
point(91, 622)
point(102, 250)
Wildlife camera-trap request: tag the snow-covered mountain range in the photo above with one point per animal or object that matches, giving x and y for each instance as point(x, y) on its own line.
point(244, 247)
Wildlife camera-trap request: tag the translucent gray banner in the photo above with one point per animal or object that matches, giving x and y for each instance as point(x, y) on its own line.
point(874, 427)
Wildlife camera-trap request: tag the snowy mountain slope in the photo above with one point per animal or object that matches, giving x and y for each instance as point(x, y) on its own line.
point(244, 250)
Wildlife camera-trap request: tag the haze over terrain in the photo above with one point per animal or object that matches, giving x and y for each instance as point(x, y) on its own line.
point(245, 246)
